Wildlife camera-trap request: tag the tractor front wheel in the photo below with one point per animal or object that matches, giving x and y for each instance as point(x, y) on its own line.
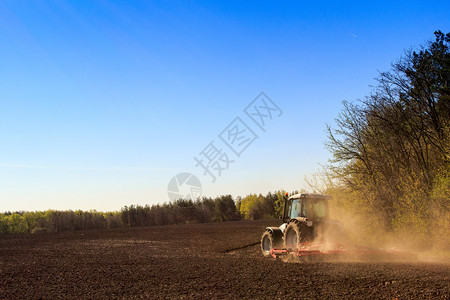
point(267, 243)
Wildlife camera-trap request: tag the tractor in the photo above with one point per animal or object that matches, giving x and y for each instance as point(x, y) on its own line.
point(305, 220)
point(308, 231)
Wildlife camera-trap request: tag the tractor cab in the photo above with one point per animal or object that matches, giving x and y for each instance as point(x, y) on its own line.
point(312, 207)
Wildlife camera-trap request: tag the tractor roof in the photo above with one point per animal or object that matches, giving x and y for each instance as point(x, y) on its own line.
point(310, 196)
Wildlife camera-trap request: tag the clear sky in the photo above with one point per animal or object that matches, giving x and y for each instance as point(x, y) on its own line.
point(103, 102)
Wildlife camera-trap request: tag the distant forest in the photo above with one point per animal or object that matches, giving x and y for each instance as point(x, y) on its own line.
point(389, 171)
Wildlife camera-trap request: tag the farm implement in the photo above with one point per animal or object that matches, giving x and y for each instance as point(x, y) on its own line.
point(317, 251)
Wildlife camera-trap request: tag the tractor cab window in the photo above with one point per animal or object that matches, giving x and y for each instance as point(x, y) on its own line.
point(314, 209)
point(295, 208)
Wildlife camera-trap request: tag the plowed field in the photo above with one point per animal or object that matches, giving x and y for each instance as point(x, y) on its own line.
point(219, 260)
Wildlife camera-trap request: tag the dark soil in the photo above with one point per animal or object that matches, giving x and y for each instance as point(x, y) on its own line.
point(219, 260)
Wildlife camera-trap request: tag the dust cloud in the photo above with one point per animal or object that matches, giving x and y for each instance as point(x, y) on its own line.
point(362, 238)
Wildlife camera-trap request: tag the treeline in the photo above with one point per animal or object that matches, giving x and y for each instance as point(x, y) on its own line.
point(391, 150)
point(181, 211)
point(205, 210)
point(56, 221)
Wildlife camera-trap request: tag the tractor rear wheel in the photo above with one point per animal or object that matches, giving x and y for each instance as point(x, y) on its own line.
point(295, 234)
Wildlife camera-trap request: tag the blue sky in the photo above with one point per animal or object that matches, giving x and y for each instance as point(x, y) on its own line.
point(103, 102)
